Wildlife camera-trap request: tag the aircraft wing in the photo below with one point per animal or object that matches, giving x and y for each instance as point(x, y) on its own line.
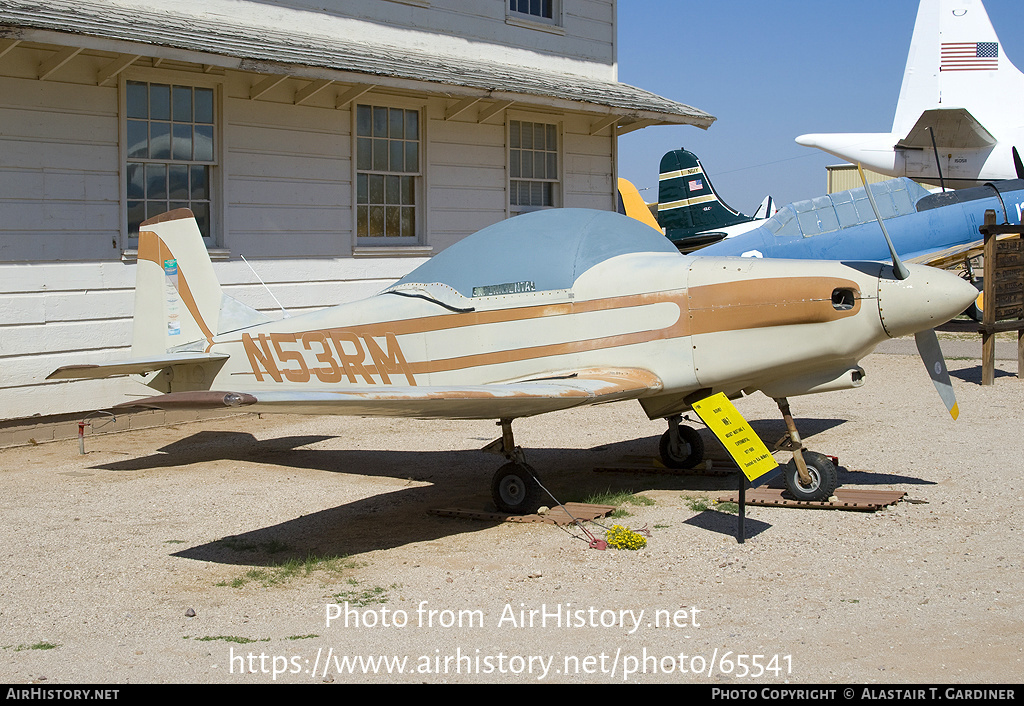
point(132, 366)
point(954, 128)
point(947, 257)
point(493, 401)
point(953, 255)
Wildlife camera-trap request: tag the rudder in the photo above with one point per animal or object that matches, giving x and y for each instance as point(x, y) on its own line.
point(687, 201)
point(178, 299)
point(956, 60)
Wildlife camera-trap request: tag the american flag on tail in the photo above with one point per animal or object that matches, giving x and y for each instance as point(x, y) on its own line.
point(969, 56)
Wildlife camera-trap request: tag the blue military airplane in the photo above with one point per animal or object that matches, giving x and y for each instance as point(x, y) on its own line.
point(938, 229)
point(925, 228)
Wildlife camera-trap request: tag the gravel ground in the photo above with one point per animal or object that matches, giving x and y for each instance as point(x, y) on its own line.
point(107, 556)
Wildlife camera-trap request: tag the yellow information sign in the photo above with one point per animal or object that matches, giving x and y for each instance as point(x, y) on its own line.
point(742, 443)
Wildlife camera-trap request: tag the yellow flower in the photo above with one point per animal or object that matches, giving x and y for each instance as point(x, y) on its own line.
point(624, 538)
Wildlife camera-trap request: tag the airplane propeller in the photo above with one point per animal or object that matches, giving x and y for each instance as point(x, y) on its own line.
point(1018, 166)
point(899, 269)
point(927, 341)
point(935, 364)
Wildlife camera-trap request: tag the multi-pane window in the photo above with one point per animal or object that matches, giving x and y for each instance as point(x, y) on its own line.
point(387, 170)
point(533, 164)
point(170, 151)
point(535, 8)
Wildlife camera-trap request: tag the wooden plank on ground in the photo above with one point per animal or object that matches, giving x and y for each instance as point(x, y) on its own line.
point(845, 499)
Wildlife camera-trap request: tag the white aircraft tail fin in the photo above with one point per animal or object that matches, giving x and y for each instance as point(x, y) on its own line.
point(955, 62)
point(767, 209)
point(178, 300)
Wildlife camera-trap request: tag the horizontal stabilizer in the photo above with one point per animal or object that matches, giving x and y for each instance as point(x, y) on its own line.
point(954, 128)
point(130, 367)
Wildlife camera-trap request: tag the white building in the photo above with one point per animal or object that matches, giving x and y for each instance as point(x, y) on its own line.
point(332, 144)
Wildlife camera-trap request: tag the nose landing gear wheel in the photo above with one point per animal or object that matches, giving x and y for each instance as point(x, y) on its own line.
point(514, 489)
point(824, 478)
point(689, 452)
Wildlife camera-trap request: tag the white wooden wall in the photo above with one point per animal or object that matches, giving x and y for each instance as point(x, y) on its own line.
point(65, 294)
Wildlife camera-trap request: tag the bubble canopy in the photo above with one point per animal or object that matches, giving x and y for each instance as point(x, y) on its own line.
point(537, 251)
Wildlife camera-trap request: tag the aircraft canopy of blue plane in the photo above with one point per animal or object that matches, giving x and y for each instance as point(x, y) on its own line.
point(842, 226)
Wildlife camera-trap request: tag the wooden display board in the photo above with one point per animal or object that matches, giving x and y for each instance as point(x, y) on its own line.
point(1003, 292)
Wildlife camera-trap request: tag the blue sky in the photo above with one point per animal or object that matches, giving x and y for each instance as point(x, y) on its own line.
point(770, 71)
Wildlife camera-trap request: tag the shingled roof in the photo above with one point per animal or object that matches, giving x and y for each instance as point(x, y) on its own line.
point(238, 44)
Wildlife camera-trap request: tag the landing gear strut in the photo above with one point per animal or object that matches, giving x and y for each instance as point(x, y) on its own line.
point(515, 487)
point(809, 476)
point(681, 446)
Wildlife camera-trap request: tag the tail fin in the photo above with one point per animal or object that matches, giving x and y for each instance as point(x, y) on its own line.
point(178, 300)
point(767, 209)
point(956, 61)
point(632, 204)
point(687, 202)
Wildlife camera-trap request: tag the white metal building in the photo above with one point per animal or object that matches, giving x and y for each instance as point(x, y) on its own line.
point(332, 144)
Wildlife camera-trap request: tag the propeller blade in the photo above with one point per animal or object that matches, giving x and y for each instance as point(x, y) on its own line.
point(899, 269)
point(931, 355)
point(1018, 166)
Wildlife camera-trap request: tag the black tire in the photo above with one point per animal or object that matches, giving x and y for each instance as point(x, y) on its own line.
point(692, 451)
point(514, 489)
point(824, 478)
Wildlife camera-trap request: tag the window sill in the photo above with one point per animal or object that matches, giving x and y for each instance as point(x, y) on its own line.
point(216, 254)
point(392, 251)
point(520, 210)
point(523, 21)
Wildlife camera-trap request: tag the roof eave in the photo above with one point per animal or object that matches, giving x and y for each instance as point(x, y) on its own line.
point(654, 110)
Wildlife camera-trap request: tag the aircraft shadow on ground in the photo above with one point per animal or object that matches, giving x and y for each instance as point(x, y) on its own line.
point(400, 517)
point(727, 523)
point(973, 374)
point(455, 479)
point(215, 446)
point(770, 430)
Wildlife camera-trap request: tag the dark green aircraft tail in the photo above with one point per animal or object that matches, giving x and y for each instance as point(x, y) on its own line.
point(689, 208)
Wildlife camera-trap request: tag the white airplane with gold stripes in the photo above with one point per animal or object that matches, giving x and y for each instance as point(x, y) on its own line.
point(541, 312)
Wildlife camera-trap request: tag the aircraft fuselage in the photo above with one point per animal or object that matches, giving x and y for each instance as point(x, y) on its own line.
point(694, 324)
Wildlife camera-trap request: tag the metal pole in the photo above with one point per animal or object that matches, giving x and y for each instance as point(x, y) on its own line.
point(937, 165)
point(743, 507)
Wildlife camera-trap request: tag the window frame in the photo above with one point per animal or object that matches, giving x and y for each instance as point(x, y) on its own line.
point(368, 244)
point(527, 18)
point(215, 186)
point(557, 189)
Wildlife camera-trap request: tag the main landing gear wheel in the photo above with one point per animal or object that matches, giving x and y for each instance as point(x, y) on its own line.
point(689, 452)
point(824, 478)
point(515, 489)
